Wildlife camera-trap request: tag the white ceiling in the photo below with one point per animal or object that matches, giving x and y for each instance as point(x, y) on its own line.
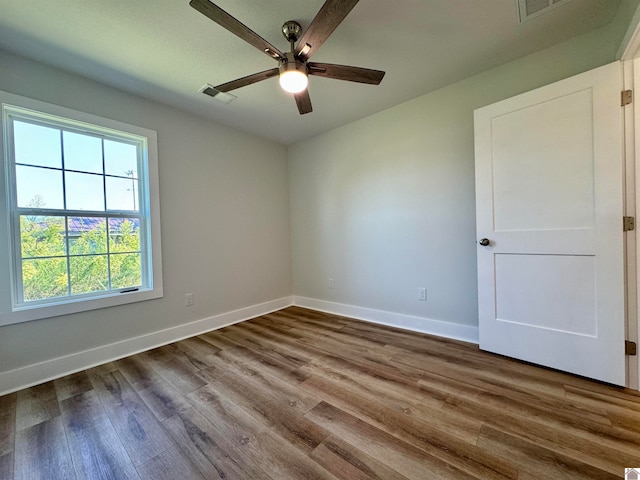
point(166, 51)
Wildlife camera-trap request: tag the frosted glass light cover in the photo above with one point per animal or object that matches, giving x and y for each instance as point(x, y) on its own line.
point(293, 81)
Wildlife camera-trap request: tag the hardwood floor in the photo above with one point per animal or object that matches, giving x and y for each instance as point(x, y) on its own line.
point(299, 394)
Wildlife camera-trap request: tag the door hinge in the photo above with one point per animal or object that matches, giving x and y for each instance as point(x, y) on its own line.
point(629, 224)
point(626, 97)
point(630, 348)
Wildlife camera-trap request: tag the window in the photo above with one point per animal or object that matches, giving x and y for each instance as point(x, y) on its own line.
point(82, 211)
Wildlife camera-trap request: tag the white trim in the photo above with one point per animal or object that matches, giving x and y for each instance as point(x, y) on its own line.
point(67, 307)
point(631, 259)
point(37, 373)
point(632, 138)
point(456, 331)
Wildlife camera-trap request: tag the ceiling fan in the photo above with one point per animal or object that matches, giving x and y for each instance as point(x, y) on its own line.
point(294, 66)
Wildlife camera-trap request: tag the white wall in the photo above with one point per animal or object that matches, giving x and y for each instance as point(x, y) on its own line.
point(224, 214)
point(386, 205)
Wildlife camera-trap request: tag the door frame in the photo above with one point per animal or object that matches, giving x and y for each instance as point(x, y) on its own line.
point(629, 54)
point(631, 116)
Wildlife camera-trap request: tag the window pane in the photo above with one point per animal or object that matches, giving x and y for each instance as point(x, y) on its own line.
point(82, 152)
point(84, 191)
point(44, 278)
point(122, 194)
point(36, 145)
point(124, 235)
point(41, 236)
point(88, 274)
point(39, 187)
point(87, 235)
point(125, 270)
point(120, 159)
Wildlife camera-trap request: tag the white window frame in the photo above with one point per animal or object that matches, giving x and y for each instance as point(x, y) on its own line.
point(12, 310)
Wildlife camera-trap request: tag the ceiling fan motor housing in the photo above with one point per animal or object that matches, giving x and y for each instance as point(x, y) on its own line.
point(291, 63)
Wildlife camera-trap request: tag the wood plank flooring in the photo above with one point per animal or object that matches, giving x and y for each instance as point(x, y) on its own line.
point(299, 394)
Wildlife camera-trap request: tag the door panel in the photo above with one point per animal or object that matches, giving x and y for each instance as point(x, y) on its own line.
point(564, 301)
point(550, 199)
point(558, 153)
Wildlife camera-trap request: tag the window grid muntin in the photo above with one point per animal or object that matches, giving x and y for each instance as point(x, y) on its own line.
point(106, 175)
point(66, 225)
point(13, 114)
point(48, 257)
point(106, 227)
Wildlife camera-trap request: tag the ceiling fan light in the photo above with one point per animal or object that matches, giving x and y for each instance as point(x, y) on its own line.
point(293, 81)
point(293, 76)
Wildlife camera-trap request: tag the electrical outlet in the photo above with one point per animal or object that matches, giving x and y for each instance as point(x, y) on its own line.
point(422, 294)
point(188, 299)
point(330, 283)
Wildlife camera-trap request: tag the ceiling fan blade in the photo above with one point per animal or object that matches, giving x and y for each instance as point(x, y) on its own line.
point(225, 20)
point(332, 13)
point(344, 72)
point(303, 100)
point(248, 80)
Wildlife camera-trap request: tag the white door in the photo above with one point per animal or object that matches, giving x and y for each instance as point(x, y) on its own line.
point(549, 192)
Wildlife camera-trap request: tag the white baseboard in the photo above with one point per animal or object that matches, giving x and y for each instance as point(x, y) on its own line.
point(37, 373)
point(439, 328)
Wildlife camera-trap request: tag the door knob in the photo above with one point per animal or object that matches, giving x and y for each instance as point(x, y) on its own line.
point(484, 242)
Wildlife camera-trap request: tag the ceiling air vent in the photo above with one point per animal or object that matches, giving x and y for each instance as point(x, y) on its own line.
point(224, 97)
point(532, 8)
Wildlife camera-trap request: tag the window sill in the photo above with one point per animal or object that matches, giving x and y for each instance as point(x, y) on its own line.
point(66, 307)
